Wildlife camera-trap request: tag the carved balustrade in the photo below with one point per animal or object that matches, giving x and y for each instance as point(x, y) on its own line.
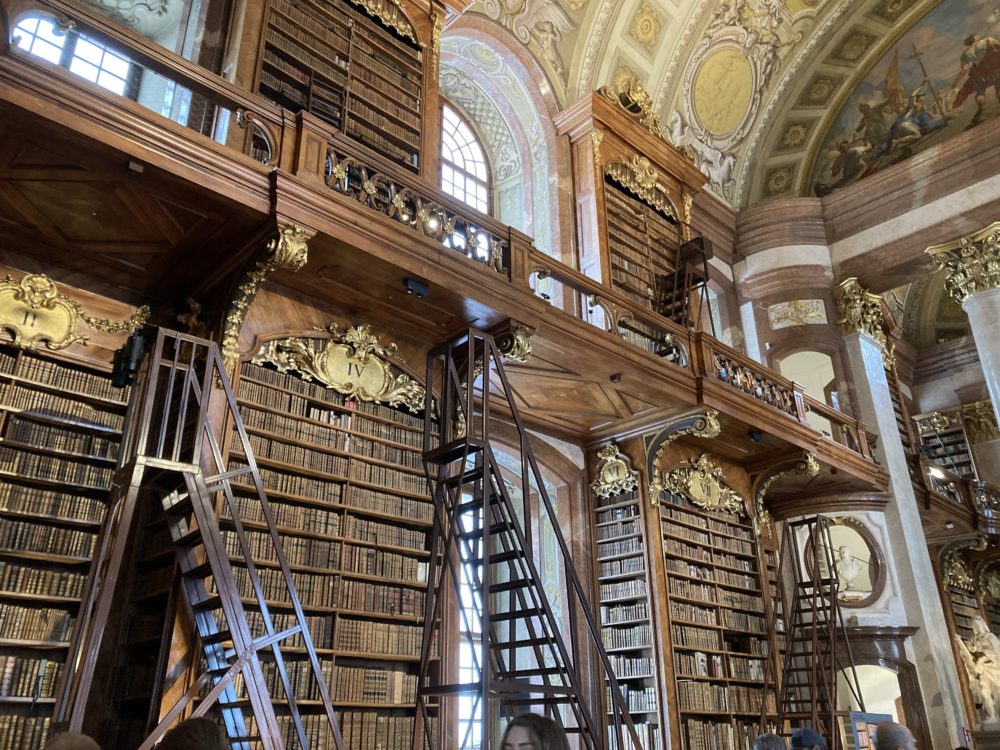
point(215, 108)
point(377, 185)
point(847, 431)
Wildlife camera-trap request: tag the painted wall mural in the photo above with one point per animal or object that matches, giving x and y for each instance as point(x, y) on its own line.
point(940, 78)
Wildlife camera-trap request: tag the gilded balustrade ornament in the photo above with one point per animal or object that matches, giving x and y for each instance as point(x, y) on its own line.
point(288, 251)
point(755, 383)
point(702, 482)
point(33, 312)
point(860, 310)
point(971, 263)
point(352, 362)
point(639, 176)
point(596, 137)
point(980, 422)
point(615, 474)
point(701, 425)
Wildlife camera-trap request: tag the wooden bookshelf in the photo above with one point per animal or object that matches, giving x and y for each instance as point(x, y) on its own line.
point(333, 59)
point(625, 611)
point(60, 429)
point(351, 503)
point(943, 440)
point(964, 607)
point(718, 628)
point(642, 246)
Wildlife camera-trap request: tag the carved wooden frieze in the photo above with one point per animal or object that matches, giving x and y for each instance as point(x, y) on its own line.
point(352, 362)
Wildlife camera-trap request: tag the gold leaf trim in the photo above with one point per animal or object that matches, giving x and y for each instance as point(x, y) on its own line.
point(389, 12)
point(33, 312)
point(703, 483)
point(703, 425)
point(808, 466)
point(639, 176)
point(636, 101)
point(971, 263)
point(615, 474)
point(597, 137)
point(353, 363)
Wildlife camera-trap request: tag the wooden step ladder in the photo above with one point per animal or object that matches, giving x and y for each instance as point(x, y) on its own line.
point(817, 649)
point(171, 457)
point(485, 584)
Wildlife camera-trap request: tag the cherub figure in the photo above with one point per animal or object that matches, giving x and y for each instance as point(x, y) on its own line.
point(981, 657)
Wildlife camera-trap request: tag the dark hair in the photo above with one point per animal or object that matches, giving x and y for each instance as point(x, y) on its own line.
point(769, 741)
point(194, 734)
point(890, 735)
point(807, 738)
point(71, 741)
point(548, 734)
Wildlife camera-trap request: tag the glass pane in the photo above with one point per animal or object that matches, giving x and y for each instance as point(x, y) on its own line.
point(83, 69)
point(87, 50)
point(46, 51)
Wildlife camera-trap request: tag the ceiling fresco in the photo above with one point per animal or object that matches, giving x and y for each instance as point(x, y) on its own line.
point(767, 95)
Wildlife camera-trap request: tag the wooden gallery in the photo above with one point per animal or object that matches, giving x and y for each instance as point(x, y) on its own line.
point(376, 372)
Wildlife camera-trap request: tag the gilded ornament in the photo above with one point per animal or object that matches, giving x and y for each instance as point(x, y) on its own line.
point(701, 425)
point(596, 138)
point(807, 466)
point(936, 422)
point(980, 422)
point(971, 264)
point(436, 39)
point(795, 135)
point(514, 344)
point(639, 176)
point(860, 310)
point(798, 312)
point(33, 312)
point(390, 12)
point(778, 181)
point(288, 251)
point(646, 27)
point(702, 482)
point(630, 95)
point(956, 571)
point(615, 474)
point(352, 362)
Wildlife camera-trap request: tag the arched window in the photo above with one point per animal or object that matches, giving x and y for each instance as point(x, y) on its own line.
point(464, 171)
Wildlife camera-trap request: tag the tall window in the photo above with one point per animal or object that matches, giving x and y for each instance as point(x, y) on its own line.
point(464, 171)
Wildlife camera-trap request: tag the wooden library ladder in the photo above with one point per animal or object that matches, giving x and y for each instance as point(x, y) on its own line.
point(486, 597)
point(171, 457)
point(817, 649)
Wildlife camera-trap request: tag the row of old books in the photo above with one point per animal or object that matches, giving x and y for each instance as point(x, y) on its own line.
point(384, 564)
point(743, 621)
point(699, 664)
point(78, 473)
point(638, 699)
point(698, 734)
point(373, 597)
point(295, 484)
point(623, 589)
point(649, 737)
point(34, 624)
point(611, 615)
point(388, 504)
point(298, 550)
point(362, 636)
point(619, 547)
point(59, 408)
point(68, 441)
point(395, 535)
point(374, 138)
point(320, 628)
point(41, 537)
point(19, 732)
point(373, 685)
point(691, 613)
point(28, 677)
point(37, 501)
point(287, 453)
point(621, 567)
point(408, 134)
point(313, 590)
point(690, 636)
point(631, 666)
point(620, 528)
point(315, 520)
point(64, 378)
point(27, 579)
point(691, 590)
point(635, 636)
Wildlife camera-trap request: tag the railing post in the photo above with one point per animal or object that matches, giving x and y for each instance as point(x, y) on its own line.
point(518, 249)
point(311, 144)
point(800, 404)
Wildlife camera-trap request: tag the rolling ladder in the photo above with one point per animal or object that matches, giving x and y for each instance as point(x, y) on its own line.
point(817, 649)
point(485, 582)
point(171, 458)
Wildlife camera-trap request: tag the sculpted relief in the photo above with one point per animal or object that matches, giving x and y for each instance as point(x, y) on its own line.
point(981, 656)
point(541, 23)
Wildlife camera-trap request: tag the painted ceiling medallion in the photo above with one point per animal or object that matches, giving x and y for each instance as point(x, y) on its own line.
point(646, 27)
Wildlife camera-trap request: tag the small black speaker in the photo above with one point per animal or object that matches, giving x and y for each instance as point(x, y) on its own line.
point(127, 360)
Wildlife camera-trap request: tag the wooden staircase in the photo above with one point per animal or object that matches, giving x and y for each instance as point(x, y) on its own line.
point(172, 459)
point(817, 649)
point(486, 593)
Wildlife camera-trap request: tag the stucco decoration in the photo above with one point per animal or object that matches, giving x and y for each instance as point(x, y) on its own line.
point(541, 24)
point(937, 80)
point(724, 83)
point(646, 27)
point(458, 88)
point(798, 312)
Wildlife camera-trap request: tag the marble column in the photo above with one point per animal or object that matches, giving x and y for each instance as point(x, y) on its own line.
point(972, 265)
point(930, 646)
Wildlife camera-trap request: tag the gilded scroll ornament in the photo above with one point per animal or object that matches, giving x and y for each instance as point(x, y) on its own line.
point(860, 310)
point(702, 425)
point(956, 571)
point(807, 466)
point(936, 422)
point(980, 422)
point(971, 263)
point(33, 312)
point(288, 251)
point(596, 137)
point(390, 12)
point(436, 39)
point(514, 344)
point(615, 474)
point(630, 95)
point(352, 362)
point(703, 484)
point(639, 176)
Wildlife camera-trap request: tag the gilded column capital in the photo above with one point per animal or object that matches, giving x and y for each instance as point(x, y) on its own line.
point(860, 310)
point(971, 263)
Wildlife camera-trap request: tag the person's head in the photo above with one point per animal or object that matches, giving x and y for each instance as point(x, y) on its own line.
point(892, 736)
point(970, 40)
point(534, 732)
point(194, 734)
point(71, 741)
point(769, 741)
point(807, 739)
